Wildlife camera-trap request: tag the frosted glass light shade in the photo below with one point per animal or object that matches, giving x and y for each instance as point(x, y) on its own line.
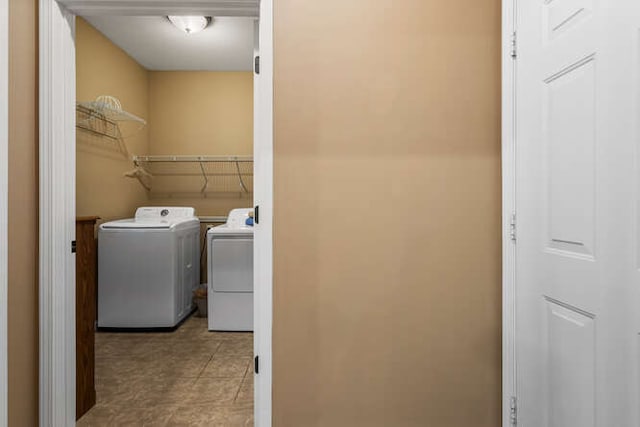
point(190, 24)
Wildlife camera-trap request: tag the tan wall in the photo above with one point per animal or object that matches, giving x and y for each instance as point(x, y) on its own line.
point(105, 69)
point(387, 213)
point(23, 213)
point(200, 113)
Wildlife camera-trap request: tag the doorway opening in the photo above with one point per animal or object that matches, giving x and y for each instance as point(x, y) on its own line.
point(164, 119)
point(171, 163)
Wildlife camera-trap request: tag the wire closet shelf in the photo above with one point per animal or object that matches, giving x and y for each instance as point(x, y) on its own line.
point(103, 116)
point(175, 175)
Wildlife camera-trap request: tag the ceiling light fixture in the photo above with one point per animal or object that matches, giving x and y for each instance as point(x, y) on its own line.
point(190, 24)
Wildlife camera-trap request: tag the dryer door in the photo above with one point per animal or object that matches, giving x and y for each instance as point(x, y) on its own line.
point(231, 264)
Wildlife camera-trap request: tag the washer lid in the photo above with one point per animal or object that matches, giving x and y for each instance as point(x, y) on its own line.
point(130, 223)
point(156, 217)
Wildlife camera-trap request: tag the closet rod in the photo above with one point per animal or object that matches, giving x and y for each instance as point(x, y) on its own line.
point(192, 159)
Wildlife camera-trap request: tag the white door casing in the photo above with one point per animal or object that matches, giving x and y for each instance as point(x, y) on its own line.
point(4, 202)
point(577, 193)
point(508, 214)
point(263, 197)
point(57, 215)
point(57, 191)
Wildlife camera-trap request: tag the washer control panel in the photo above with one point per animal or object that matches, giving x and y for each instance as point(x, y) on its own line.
point(164, 213)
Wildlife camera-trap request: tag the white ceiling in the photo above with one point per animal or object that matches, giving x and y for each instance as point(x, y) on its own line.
point(226, 45)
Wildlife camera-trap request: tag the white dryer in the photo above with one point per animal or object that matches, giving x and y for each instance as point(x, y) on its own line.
point(230, 274)
point(148, 267)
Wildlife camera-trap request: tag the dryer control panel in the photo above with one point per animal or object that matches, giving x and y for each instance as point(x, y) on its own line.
point(238, 217)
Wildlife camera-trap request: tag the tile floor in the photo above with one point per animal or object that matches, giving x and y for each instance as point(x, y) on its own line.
point(189, 377)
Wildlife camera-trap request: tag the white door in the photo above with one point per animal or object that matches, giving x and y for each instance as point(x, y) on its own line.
point(578, 259)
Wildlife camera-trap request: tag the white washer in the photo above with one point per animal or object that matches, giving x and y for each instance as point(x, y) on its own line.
point(230, 274)
point(148, 267)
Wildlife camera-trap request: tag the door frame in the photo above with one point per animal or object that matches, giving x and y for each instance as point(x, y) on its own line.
point(508, 55)
point(4, 205)
point(263, 196)
point(57, 191)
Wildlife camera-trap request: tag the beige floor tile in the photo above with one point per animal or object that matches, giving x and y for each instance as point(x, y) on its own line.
point(225, 416)
point(152, 417)
point(236, 348)
point(125, 369)
point(188, 350)
point(182, 367)
point(116, 395)
point(99, 416)
point(190, 347)
point(158, 379)
point(163, 391)
point(123, 347)
point(239, 415)
point(245, 394)
point(235, 336)
point(214, 391)
point(221, 366)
